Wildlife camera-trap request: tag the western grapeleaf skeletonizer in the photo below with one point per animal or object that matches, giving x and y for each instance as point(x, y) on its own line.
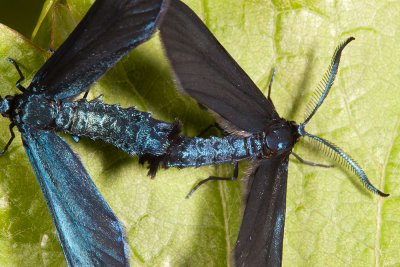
point(205, 71)
point(89, 232)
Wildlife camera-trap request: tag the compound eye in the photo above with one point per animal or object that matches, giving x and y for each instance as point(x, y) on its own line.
point(279, 140)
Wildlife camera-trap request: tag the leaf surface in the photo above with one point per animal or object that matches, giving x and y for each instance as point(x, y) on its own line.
point(331, 219)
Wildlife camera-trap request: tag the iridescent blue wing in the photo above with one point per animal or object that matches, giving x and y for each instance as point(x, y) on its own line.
point(89, 232)
point(261, 233)
point(206, 71)
point(109, 30)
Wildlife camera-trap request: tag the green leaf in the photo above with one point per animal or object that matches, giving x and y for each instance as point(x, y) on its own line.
point(331, 219)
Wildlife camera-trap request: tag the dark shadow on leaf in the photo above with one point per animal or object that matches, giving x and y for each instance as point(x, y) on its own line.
point(155, 85)
point(304, 85)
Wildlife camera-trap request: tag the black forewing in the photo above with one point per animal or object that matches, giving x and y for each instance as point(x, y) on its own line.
point(209, 74)
point(109, 30)
point(89, 232)
point(261, 233)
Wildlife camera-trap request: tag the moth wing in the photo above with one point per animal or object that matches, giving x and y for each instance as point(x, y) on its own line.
point(89, 232)
point(108, 31)
point(261, 233)
point(205, 71)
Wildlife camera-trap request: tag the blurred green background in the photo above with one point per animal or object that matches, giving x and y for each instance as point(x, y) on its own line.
point(27, 18)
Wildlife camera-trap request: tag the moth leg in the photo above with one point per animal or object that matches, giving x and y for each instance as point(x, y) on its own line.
point(311, 163)
point(21, 76)
point(9, 141)
point(216, 178)
point(86, 94)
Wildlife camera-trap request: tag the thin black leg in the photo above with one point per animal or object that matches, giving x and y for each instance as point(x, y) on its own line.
point(311, 163)
point(9, 141)
point(215, 178)
point(21, 76)
point(86, 94)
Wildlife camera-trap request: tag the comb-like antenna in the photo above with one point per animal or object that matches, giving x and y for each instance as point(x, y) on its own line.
point(347, 161)
point(331, 149)
point(327, 80)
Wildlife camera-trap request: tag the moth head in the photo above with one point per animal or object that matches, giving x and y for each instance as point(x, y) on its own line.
point(281, 137)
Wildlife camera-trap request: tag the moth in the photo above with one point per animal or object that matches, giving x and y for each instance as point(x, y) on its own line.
point(205, 71)
point(89, 232)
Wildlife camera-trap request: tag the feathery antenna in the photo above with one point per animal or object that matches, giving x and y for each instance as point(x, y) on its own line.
point(330, 149)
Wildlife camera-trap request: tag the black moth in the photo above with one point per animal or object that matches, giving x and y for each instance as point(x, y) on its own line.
point(206, 72)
